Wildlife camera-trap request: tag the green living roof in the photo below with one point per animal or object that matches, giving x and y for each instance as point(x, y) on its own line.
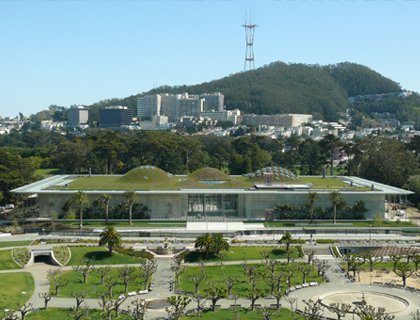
point(152, 178)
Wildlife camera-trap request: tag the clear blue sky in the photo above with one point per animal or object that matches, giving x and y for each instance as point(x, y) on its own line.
point(80, 52)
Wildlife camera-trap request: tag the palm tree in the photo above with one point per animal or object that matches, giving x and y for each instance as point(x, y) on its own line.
point(312, 197)
point(110, 238)
point(336, 200)
point(130, 198)
point(204, 243)
point(80, 199)
point(219, 243)
point(105, 199)
point(287, 239)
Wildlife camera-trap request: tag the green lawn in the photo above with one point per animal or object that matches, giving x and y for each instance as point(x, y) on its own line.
point(6, 261)
point(244, 314)
point(139, 224)
point(341, 224)
point(15, 289)
point(244, 253)
point(100, 256)
point(215, 276)
point(45, 173)
point(65, 314)
point(6, 244)
point(384, 265)
point(93, 288)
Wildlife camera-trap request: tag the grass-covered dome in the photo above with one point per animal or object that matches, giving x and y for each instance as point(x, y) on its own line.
point(146, 174)
point(208, 173)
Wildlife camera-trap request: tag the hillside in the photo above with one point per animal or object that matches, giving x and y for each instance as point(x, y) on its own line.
point(284, 88)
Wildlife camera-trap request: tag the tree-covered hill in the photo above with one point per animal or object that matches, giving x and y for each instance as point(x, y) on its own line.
point(358, 80)
point(322, 91)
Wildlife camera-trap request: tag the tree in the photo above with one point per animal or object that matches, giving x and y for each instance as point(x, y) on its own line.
point(313, 309)
point(340, 309)
point(85, 269)
point(147, 268)
point(204, 243)
point(416, 259)
point(104, 273)
point(312, 197)
point(178, 305)
point(130, 198)
point(110, 237)
point(253, 294)
point(54, 277)
point(404, 270)
point(214, 294)
point(46, 296)
point(138, 309)
point(371, 258)
point(25, 309)
point(267, 313)
point(336, 200)
point(367, 312)
point(80, 199)
point(211, 244)
point(125, 274)
point(219, 243)
point(104, 200)
point(287, 239)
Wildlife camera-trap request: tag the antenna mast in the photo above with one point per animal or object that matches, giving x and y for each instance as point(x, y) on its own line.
point(249, 37)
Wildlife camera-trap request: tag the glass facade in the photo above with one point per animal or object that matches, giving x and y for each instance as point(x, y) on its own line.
point(213, 204)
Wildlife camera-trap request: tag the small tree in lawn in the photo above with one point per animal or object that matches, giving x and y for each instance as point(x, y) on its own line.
point(85, 269)
point(126, 274)
point(253, 294)
point(54, 277)
point(405, 271)
point(130, 198)
point(110, 238)
point(371, 258)
point(214, 294)
point(267, 313)
point(25, 309)
point(395, 258)
point(104, 273)
point(178, 305)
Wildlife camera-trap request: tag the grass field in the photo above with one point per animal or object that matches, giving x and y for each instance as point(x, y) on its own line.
point(93, 288)
point(384, 266)
point(244, 314)
point(341, 223)
point(15, 289)
point(6, 261)
point(7, 244)
point(100, 256)
point(65, 314)
point(244, 253)
point(139, 224)
point(215, 276)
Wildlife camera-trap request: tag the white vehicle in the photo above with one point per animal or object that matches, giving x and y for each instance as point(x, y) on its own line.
point(10, 206)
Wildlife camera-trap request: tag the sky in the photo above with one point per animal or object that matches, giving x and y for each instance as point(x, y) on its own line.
point(80, 52)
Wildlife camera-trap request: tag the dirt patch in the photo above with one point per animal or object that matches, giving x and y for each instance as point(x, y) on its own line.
point(388, 277)
point(414, 215)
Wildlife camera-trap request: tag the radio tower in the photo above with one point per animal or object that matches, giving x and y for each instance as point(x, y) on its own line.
point(249, 37)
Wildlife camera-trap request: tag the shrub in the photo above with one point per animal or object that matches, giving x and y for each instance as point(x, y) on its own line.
point(22, 256)
point(62, 254)
point(325, 241)
point(131, 252)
